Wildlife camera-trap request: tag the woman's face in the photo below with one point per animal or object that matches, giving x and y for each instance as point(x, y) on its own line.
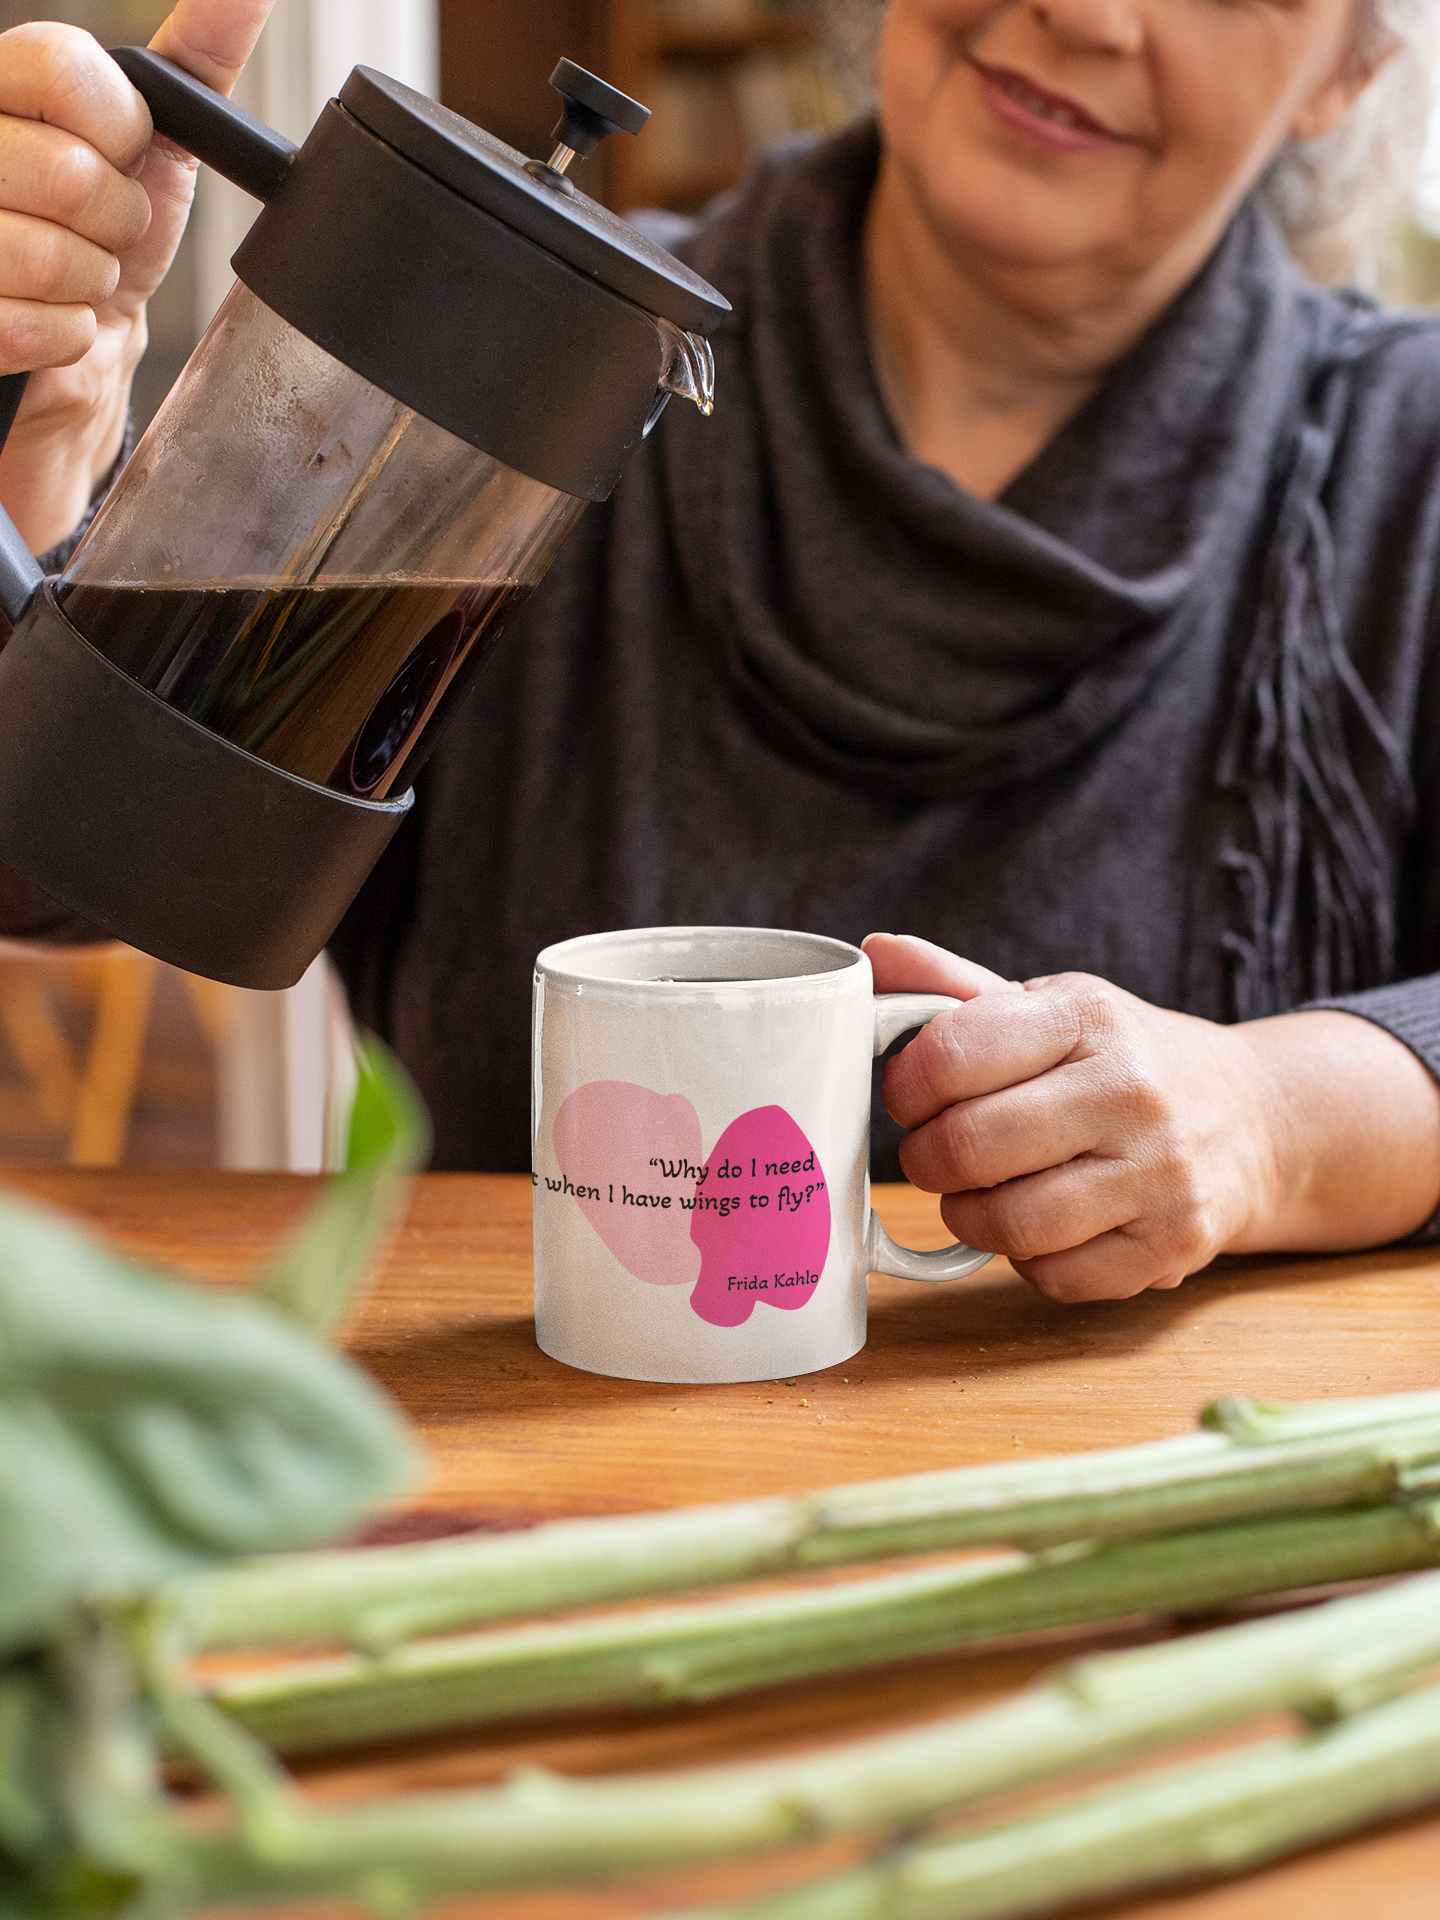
point(1104, 135)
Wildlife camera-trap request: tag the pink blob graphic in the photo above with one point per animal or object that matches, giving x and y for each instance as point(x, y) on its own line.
point(623, 1153)
point(761, 1219)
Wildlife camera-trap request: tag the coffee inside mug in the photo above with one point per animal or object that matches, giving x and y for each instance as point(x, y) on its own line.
point(704, 956)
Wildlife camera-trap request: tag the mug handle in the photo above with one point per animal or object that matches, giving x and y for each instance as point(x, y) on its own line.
point(897, 1013)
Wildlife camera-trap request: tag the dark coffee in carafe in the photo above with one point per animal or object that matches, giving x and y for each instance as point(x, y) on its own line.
point(331, 683)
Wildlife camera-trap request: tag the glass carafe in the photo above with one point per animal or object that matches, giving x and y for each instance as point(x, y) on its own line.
point(303, 565)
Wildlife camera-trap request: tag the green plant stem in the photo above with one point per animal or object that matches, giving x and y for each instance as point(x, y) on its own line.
point(1199, 1821)
point(1261, 1460)
point(541, 1828)
point(661, 1655)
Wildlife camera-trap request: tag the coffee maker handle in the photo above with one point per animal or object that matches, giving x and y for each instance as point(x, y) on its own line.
point(238, 146)
point(225, 137)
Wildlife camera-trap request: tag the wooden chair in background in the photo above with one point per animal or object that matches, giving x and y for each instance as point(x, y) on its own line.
point(284, 1061)
point(85, 1087)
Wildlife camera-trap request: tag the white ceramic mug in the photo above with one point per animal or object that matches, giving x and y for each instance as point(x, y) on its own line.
point(700, 1129)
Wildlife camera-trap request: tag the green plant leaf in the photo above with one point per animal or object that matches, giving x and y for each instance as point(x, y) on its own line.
point(148, 1428)
point(389, 1137)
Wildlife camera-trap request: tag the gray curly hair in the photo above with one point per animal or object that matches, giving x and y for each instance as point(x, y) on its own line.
point(1335, 199)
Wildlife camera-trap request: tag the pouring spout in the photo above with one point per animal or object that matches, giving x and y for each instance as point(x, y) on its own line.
point(687, 365)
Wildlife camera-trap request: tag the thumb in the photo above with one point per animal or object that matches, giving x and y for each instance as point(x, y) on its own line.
point(212, 39)
point(903, 963)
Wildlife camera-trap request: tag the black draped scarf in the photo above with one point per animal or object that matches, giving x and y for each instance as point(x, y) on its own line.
point(908, 639)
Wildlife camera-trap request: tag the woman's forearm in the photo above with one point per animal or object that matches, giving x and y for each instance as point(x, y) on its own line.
point(1354, 1121)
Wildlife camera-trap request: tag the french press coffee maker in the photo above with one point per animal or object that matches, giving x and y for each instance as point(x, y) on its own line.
point(435, 354)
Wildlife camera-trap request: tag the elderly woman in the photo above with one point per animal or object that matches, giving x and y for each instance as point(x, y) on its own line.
point(1057, 580)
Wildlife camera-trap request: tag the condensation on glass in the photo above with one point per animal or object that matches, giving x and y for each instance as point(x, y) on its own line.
point(302, 564)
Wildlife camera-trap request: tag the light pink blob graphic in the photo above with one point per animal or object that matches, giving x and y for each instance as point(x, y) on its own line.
point(608, 1137)
point(761, 1219)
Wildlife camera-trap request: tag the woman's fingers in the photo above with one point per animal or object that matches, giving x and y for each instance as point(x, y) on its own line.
point(35, 333)
point(58, 176)
point(981, 1142)
point(996, 1041)
point(903, 963)
point(1043, 1213)
point(71, 126)
point(62, 77)
point(41, 261)
point(66, 216)
point(1081, 1207)
point(76, 150)
point(212, 39)
point(1113, 1266)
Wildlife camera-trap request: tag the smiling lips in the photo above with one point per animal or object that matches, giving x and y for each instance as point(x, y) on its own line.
point(1047, 117)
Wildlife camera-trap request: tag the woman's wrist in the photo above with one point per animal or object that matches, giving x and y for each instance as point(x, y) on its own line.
point(1348, 1135)
point(50, 468)
point(70, 429)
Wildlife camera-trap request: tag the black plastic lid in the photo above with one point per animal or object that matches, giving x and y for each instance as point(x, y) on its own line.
point(490, 175)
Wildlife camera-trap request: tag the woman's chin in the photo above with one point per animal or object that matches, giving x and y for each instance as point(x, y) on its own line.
point(1031, 240)
point(984, 212)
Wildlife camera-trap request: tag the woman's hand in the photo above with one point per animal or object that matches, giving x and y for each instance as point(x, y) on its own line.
point(91, 211)
point(1105, 1146)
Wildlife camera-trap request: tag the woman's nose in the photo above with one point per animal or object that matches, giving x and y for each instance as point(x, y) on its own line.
point(1108, 26)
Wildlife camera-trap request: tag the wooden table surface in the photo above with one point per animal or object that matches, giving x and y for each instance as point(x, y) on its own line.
point(976, 1370)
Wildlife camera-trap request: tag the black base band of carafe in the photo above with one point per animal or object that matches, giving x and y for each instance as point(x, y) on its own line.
point(158, 831)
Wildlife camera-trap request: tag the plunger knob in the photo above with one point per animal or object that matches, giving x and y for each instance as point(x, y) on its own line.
point(592, 110)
